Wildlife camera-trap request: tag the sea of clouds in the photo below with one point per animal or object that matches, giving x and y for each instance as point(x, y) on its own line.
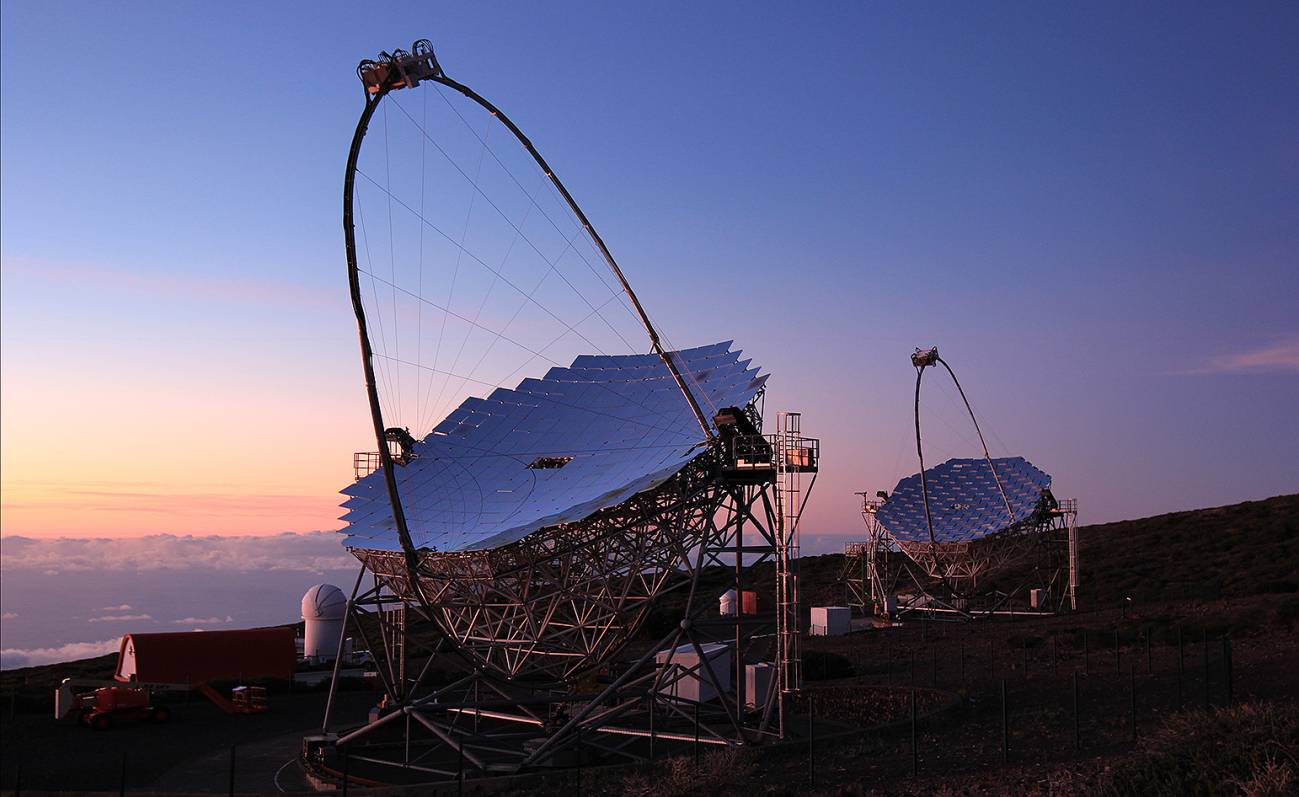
point(72, 598)
point(64, 599)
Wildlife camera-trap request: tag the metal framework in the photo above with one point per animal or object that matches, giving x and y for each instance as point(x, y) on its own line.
point(943, 576)
point(887, 576)
point(541, 633)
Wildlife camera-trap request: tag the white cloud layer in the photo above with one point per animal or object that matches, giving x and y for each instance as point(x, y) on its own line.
point(313, 552)
point(31, 657)
point(156, 583)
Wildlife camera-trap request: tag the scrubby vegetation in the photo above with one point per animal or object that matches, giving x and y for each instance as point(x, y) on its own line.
point(1251, 749)
point(717, 772)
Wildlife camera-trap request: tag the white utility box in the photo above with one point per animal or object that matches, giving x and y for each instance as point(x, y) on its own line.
point(831, 620)
point(686, 680)
point(1038, 599)
point(759, 680)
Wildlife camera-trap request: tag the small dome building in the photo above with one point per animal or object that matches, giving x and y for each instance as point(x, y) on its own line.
point(323, 609)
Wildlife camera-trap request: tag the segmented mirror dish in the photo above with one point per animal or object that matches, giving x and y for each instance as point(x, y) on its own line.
point(964, 502)
point(550, 451)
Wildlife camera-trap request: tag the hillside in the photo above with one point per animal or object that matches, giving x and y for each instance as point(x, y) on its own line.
point(1225, 552)
point(1244, 550)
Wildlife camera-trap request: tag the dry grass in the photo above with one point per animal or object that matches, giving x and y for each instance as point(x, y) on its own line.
point(717, 773)
point(1251, 749)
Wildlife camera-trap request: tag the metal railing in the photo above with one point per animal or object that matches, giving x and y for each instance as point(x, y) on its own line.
point(756, 451)
point(364, 463)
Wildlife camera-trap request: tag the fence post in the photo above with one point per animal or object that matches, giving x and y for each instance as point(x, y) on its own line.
point(1204, 649)
point(1181, 670)
point(915, 742)
point(1226, 665)
point(696, 736)
point(1133, 707)
point(232, 772)
point(811, 739)
point(1005, 728)
point(651, 726)
point(1077, 738)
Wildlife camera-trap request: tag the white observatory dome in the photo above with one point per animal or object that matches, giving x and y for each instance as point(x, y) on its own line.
point(324, 602)
point(323, 610)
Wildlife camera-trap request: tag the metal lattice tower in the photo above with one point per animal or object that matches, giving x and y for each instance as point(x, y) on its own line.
point(1068, 511)
point(790, 461)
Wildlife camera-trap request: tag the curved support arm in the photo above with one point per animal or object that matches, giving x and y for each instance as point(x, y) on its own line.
point(367, 353)
point(922, 360)
point(979, 432)
point(920, 452)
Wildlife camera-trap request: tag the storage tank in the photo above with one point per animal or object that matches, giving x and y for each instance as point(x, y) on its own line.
point(323, 609)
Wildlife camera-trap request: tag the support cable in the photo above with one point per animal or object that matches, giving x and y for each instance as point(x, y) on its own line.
point(505, 217)
point(655, 342)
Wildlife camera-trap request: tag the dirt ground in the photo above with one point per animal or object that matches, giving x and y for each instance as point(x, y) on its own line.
point(959, 671)
point(191, 752)
point(1221, 580)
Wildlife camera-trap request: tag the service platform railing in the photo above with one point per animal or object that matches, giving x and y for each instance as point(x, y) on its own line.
point(759, 452)
point(364, 463)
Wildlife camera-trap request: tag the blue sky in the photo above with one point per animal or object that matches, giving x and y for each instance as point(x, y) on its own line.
point(1093, 210)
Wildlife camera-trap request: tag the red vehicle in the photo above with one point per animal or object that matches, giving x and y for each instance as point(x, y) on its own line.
point(109, 704)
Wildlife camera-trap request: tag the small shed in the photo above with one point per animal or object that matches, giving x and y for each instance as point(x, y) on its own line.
point(831, 620)
point(688, 681)
point(196, 657)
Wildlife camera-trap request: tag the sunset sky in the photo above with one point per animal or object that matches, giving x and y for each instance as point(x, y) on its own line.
point(1093, 211)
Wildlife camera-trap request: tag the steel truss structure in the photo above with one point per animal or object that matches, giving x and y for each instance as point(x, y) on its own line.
point(525, 654)
point(536, 629)
point(887, 576)
point(941, 568)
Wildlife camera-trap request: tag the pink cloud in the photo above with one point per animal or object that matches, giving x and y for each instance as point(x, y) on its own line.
point(1279, 357)
point(313, 552)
